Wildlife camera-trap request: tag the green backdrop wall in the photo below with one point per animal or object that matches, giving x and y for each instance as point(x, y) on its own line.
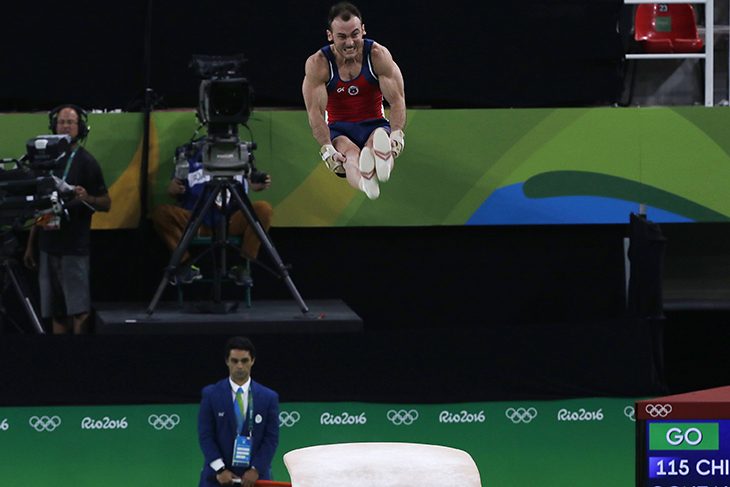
point(527, 166)
point(566, 442)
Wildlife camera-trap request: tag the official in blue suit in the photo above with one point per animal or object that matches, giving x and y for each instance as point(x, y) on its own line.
point(238, 422)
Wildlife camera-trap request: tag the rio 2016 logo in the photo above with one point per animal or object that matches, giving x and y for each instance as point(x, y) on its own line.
point(461, 417)
point(105, 423)
point(342, 419)
point(580, 415)
point(683, 436)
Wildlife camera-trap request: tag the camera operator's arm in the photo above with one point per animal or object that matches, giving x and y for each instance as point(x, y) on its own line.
point(259, 185)
point(29, 256)
point(175, 188)
point(100, 203)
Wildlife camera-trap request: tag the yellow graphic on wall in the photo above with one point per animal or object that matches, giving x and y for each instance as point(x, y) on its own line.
point(125, 191)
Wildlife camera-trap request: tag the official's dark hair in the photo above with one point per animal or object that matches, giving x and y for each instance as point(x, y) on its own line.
point(240, 343)
point(344, 10)
point(80, 112)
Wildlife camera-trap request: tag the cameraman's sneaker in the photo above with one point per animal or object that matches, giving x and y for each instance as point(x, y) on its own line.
point(383, 154)
point(368, 184)
point(186, 275)
point(240, 275)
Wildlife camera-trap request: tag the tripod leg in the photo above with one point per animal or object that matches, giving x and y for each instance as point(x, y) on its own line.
point(219, 249)
point(196, 219)
point(247, 209)
point(32, 316)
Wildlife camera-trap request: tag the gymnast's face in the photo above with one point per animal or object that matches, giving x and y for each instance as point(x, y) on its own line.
point(347, 36)
point(239, 364)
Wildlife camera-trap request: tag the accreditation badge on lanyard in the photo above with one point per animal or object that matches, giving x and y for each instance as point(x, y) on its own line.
point(242, 451)
point(242, 443)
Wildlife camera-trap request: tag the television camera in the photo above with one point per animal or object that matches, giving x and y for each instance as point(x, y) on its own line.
point(28, 188)
point(224, 103)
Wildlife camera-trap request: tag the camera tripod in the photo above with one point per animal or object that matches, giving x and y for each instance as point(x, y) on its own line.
point(220, 186)
point(9, 278)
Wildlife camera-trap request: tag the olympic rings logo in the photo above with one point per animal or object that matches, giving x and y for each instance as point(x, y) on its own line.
point(44, 423)
point(163, 421)
point(630, 413)
point(521, 415)
point(402, 417)
point(289, 419)
point(661, 410)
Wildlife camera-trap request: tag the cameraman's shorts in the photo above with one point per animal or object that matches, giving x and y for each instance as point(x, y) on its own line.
point(357, 132)
point(64, 285)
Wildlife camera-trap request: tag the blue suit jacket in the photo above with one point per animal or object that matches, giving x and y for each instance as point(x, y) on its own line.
point(217, 429)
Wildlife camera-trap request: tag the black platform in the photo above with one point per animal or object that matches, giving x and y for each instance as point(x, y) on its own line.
point(708, 294)
point(324, 316)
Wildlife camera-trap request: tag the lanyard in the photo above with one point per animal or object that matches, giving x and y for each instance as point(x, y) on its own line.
point(69, 162)
point(249, 412)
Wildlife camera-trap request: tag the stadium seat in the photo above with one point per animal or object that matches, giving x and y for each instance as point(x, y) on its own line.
point(667, 28)
point(205, 241)
point(381, 465)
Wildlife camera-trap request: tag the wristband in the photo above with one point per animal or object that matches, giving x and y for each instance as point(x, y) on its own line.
point(397, 142)
point(328, 153)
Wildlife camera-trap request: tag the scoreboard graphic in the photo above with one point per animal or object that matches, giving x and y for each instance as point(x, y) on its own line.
point(684, 440)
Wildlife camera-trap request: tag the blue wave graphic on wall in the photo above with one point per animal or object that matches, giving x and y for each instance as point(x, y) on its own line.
point(510, 206)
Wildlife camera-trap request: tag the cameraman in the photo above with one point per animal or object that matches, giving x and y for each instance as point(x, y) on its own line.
point(64, 240)
point(170, 221)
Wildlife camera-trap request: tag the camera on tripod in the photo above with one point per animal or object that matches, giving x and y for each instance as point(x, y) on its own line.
point(224, 103)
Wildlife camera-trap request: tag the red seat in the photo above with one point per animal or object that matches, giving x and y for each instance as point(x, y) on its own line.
point(667, 27)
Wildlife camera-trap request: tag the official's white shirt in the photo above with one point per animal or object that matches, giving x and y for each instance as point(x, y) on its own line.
point(246, 387)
